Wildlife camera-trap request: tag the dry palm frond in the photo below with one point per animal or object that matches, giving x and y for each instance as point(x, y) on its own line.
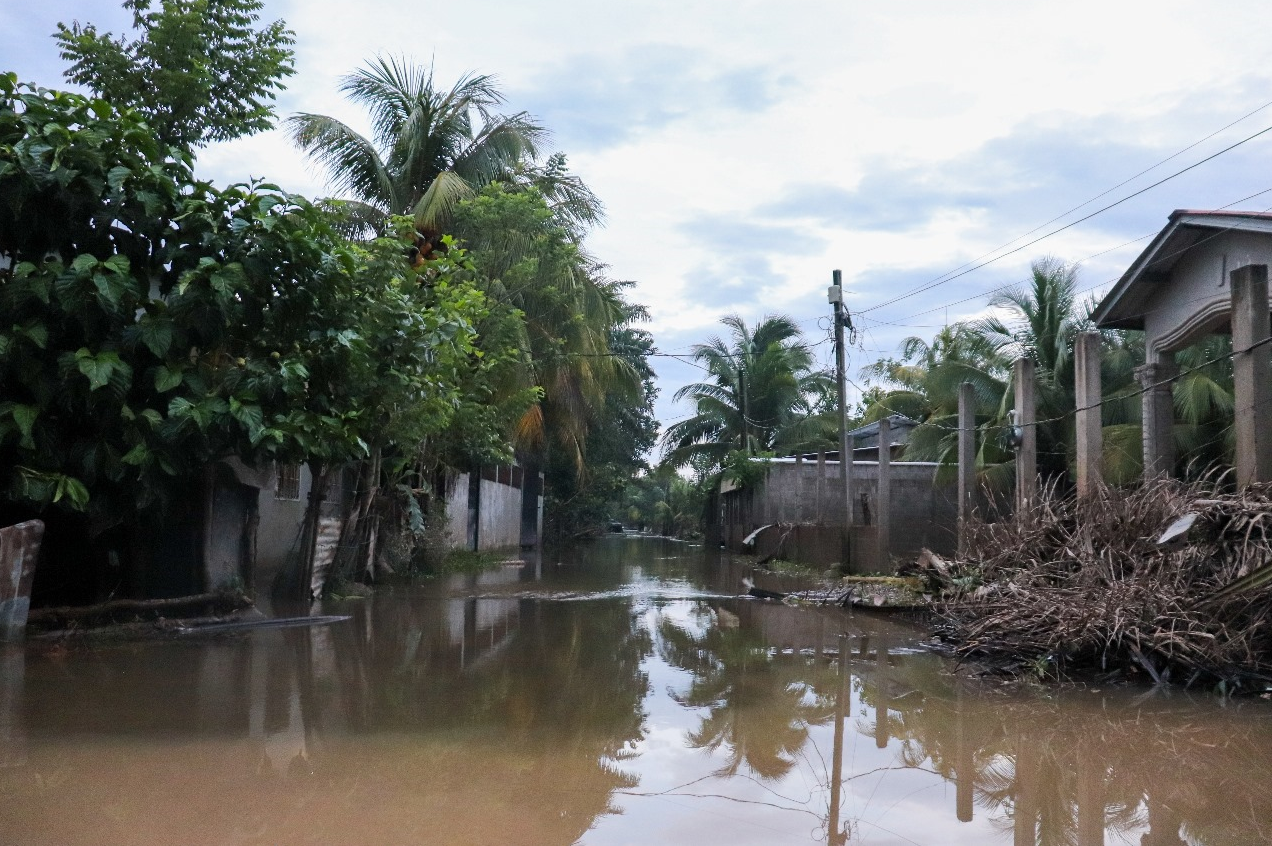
point(1085, 585)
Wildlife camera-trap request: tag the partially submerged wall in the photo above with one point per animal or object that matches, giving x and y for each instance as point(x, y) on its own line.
point(924, 512)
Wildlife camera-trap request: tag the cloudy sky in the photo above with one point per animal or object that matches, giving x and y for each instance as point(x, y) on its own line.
point(746, 149)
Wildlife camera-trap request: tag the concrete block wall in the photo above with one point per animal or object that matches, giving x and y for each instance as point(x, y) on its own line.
point(924, 511)
point(499, 518)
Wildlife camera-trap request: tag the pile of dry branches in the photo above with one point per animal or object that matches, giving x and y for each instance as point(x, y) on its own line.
point(1074, 586)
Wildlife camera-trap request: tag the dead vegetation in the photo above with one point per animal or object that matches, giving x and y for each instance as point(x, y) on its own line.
point(1071, 587)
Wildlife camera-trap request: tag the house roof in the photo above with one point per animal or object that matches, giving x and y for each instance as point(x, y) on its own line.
point(897, 421)
point(1123, 306)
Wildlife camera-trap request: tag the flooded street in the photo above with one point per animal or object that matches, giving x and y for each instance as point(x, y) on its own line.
point(624, 695)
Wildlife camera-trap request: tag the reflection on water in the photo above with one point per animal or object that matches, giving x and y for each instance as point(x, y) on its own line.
point(620, 695)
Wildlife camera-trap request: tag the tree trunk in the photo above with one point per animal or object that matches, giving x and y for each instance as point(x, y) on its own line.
point(301, 590)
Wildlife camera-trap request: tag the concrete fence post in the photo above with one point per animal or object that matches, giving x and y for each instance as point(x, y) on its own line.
point(1251, 371)
point(966, 460)
point(1157, 413)
point(1026, 420)
point(19, 551)
point(884, 505)
point(1090, 445)
point(821, 487)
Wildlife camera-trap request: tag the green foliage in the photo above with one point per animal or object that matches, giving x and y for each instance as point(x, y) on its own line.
point(154, 325)
point(743, 471)
point(199, 70)
point(763, 395)
point(667, 502)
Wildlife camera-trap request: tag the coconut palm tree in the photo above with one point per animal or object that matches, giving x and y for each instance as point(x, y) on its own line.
point(431, 148)
point(763, 388)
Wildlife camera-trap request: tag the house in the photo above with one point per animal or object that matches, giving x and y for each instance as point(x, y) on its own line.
point(1205, 272)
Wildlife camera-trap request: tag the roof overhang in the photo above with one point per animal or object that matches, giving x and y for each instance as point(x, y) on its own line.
point(1123, 307)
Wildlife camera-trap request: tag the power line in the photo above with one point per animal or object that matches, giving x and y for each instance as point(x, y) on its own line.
point(941, 280)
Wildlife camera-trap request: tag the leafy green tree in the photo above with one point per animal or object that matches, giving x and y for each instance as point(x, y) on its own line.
point(580, 351)
point(199, 70)
point(154, 325)
point(762, 388)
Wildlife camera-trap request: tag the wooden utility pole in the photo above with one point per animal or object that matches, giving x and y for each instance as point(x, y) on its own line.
point(836, 297)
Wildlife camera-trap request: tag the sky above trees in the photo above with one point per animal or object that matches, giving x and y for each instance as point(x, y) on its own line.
point(744, 150)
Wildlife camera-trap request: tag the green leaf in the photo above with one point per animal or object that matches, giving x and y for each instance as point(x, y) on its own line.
point(137, 456)
point(24, 416)
point(116, 175)
point(155, 334)
point(167, 378)
point(84, 263)
point(98, 368)
point(36, 333)
point(117, 263)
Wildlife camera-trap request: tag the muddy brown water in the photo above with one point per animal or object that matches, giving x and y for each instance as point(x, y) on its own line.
point(621, 695)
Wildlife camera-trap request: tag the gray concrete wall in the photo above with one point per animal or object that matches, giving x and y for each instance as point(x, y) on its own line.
point(499, 512)
point(499, 517)
point(278, 534)
point(924, 512)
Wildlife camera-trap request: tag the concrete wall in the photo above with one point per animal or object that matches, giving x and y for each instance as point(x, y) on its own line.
point(924, 512)
point(499, 516)
point(278, 534)
point(493, 511)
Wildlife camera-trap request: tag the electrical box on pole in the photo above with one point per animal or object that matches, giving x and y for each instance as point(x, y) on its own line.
point(835, 294)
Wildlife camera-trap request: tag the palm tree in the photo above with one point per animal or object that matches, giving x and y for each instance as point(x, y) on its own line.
point(431, 148)
point(763, 389)
point(925, 383)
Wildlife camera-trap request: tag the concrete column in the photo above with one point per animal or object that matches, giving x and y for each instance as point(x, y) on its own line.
point(1026, 417)
point(883, 506)
point(1090, 799)
point(1090, 445)
point(821, 487)
point(966, 460)
point(13, 741)
point(1158, 415)
point(1251, 371)
point(19, 551)
point(881, 694)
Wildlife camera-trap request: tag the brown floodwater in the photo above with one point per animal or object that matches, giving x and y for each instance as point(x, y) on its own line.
point(623, 694)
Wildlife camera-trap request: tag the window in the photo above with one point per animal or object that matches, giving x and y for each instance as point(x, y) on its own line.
point(288, 486)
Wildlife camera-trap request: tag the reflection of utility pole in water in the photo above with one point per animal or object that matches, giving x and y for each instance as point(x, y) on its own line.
point(13, 747)
point(1163, 825)
point(1090, 798)
point(842, 707)
point(881, 694)
point(1025, 829)
point(964, 765)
